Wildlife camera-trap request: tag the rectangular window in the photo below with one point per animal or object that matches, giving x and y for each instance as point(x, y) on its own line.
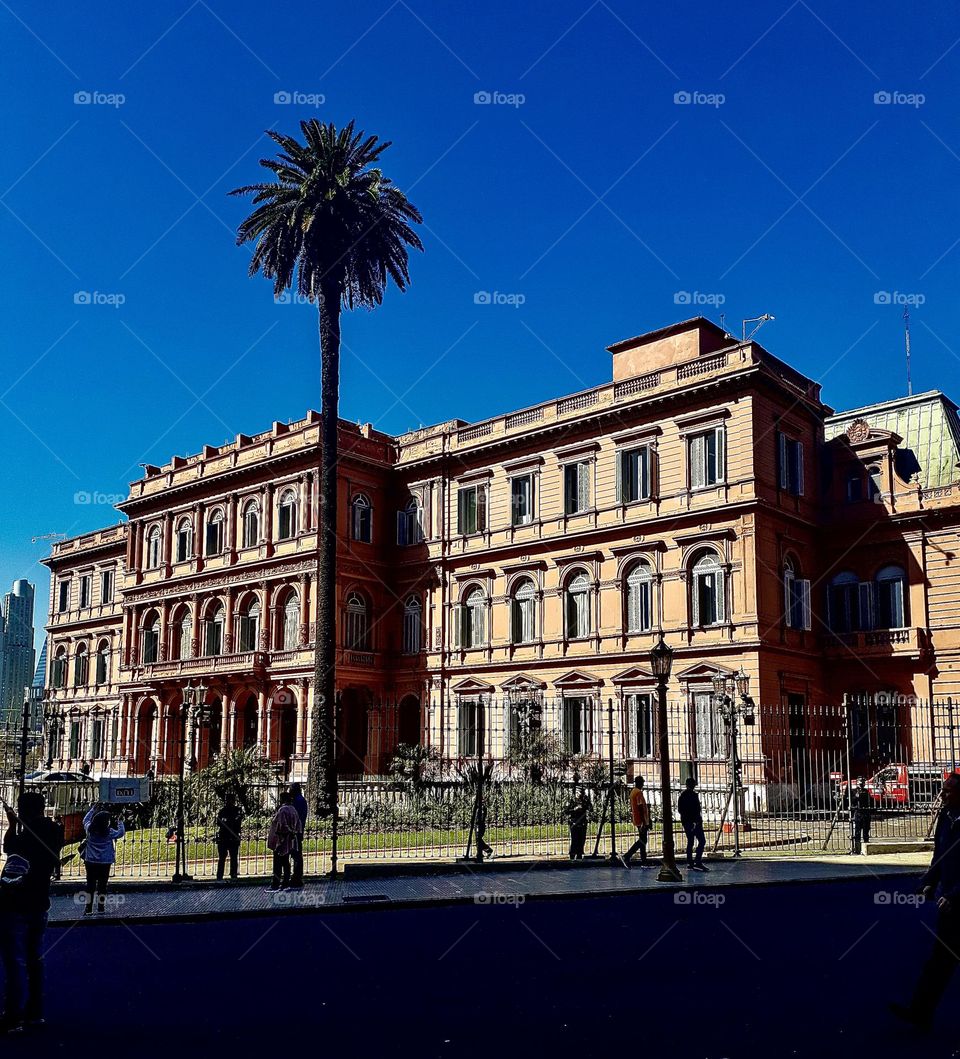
point(797, 603)
point(521, 500)
point(214, 537)
point(214, 638)
point(409, 525)
point(411, 631)
point(633, 474)
point(86, 589)
point(639, 725)
point(576, 487)
point(468, 727)
point(96, 739)
point(74, 739)
point(576, 725)
point(706, 458)
point(790, 462)
point(63, 596)
point(106, 586)
point(709, 725)
point(471, 509)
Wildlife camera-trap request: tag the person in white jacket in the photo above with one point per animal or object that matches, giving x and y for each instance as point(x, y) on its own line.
point(99, 853)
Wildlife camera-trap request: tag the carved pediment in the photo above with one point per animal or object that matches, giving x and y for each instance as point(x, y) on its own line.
point(472, 686)
point(523, 683)
point(634, 675)
point(577, 679)
point(703, 671)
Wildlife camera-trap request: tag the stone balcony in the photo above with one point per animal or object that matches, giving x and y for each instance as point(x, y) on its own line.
point(874, 643)
point(251, 662)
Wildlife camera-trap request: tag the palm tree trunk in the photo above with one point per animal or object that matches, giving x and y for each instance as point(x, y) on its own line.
point(322, 782)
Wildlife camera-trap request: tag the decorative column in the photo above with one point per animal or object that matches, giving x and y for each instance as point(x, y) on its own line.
point(199, 535)
point(164, 652)
point(262, 722)
point(309, 492)
point(232, 528)
point(228, 638)
point(265, 633)
point(302, 714)
point(228, 713)
point(267, 528)
point(195, 626)
point(304, 610)
point(167, 542)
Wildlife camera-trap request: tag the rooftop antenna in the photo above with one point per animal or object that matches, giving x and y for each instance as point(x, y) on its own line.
point(759, 321)
point(723, 317)
point(906, 336)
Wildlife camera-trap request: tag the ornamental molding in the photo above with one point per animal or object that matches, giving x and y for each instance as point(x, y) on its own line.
point(203, 586)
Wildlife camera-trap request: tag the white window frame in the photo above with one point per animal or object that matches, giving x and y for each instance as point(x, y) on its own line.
point(796, 599)
point(576, 487)
point(410, 523)
point(707, 565)
point(250, 524)
point(472, 521)
point(213, 535)
point(86, 591)
point(288, 520)
point(184, 541)
point(412, 626)
point(106, 586)
point(523, 612)
point(640, 736)
point(699, 458)
point(790, 464)
point(361, 519)
point(634, 473)
point(638, 598)
point(577, 619)
point(521, 499)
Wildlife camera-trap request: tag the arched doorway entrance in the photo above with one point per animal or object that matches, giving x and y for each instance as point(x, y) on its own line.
point(146, 737)
point(352, 732)
point(283, 727)
point(249, 722)
point(408, 721)
point(209, 735)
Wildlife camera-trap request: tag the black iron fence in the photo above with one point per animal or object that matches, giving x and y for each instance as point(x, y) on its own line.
point(777, 778)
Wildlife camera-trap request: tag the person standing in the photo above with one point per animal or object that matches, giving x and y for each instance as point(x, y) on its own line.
point(300, 804)
point(862, 805)
point(577, 812)
point(691, 819)
point(99, 853)
point(640, 814)
point(32, 844)
point(942, 877)
point(282, 839)
point(229, 826)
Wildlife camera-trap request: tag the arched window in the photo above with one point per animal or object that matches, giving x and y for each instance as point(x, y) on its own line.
point(291, 622)
point(357, 624)
point(410, 523)
point(214, 542)
point(843, 602)
point(577, 606)
point(707, 591)
point(81, 666)
point(103, 662)
point(523, 612)
point(151, 640)
point(184, 540)
point(153, 547)
point(59, 670)
point(638, 601)
point(249, 625)
point(796, 597)
point(251, 524)
point(412, 625)
point(287, 511)
point(361, 519)
point(213, 631)
point(183, 634)
point(891, 598)
point(473, 618)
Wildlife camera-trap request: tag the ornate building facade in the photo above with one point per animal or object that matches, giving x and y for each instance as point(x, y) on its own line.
point(706, 491)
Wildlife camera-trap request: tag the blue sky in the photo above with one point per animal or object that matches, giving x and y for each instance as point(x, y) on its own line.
point(584, 187)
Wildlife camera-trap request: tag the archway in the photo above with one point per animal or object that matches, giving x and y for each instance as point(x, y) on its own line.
point(250, 723)
point(408, 721)
point(352, 732)
point(146, 737)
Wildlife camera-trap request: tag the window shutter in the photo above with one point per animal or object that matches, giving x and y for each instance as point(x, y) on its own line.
point(697, 457)
point(621, 475)
point(719, 588)
point(788, 583)
point(583, 486)
point(721, 461)
point(401, 527)
point(783, 464)
point(633, 606)
point(461, 511)
point(805, 610)
point(643, 473)
point(695, 600)
point(866, 605)
point(799, 480)
point(516, 621)
point(481, 508)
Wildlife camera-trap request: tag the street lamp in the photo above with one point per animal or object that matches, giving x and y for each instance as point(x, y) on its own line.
point(725, 688)
point(661, 661)
point(193, 709)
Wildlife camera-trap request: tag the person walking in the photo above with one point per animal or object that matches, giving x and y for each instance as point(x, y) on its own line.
point(32, 844)
point(691, 819)
point(229, 826)
point(577, 812)
point(640, 814)
point(862, 806)
point(99, 853)
point(943, 878)
point(300, 804)
point(283, 837)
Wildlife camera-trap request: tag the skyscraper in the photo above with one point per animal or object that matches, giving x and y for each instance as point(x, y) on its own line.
point(17, 655)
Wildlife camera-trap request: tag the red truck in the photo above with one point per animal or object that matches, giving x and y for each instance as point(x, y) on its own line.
point(901, 786)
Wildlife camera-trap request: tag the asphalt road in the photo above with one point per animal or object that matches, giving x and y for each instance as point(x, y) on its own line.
point(792, 971)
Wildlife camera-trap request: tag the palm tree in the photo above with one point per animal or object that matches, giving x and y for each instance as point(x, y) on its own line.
point(335, 220)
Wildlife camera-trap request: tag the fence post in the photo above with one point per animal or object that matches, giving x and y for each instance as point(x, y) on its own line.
point(479, 814)
point(846, 741)
point(953, 748)
point(24, 731)
point(613, 813)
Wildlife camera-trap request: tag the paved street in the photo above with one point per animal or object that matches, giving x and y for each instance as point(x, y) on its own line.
point(794, 970)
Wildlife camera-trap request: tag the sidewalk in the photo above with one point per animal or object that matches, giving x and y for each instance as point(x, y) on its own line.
point(498, 882)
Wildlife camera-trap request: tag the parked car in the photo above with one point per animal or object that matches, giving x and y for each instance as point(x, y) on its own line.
point(54, 776)
point(901, 786)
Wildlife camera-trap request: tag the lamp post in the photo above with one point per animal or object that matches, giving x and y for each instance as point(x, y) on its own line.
point(192, 709)
point(732, 710)
point(51, 728)
point(661, 660)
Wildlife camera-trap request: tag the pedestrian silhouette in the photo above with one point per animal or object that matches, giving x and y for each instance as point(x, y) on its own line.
point(282, 840)
point(300, 804)
point(577, 812)
point(99, 853)
point(640, 814)
point(862, 805)
point(691, 819)
point(942, 880)
point(229, 824)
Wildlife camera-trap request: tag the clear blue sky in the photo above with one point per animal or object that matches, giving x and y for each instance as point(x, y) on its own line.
point(591, 193)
